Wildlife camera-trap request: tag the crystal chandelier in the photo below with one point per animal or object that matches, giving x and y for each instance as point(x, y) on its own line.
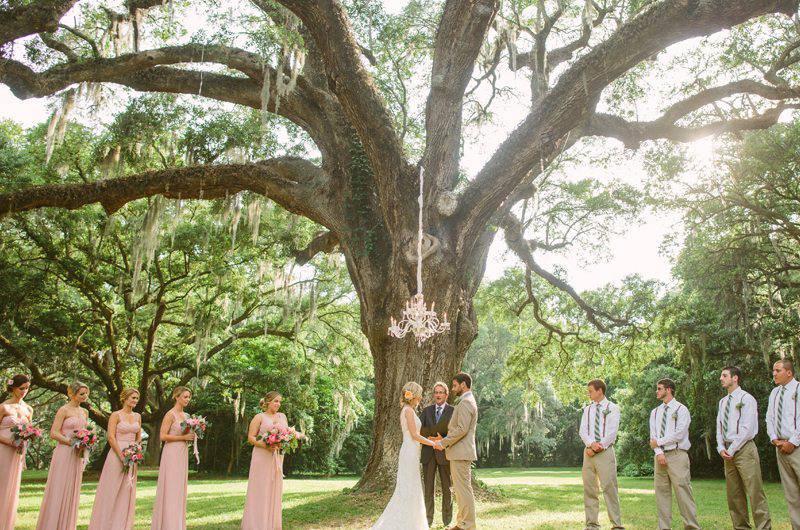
point(417, 318)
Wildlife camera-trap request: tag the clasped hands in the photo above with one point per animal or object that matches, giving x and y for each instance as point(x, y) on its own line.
point(437, 442)
point(594, 449)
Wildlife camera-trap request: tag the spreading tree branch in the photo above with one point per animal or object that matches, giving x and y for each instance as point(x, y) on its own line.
point(571, 101)
point(459, 38)
point(31, 18)
point(294, 183)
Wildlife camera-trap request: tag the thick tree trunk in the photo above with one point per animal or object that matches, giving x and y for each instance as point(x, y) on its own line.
point(398, 361)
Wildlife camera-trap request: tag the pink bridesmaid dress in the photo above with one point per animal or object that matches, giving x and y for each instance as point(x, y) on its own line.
point(169, 509)
point(11, 463)
point(262, 508)
point(59, 510)
point(115, 501)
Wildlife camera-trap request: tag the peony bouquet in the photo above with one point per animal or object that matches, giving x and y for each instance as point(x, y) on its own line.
point(84, 440)
point(23, 434)
point(131, 457)
point(286, 439)
point(195, 424)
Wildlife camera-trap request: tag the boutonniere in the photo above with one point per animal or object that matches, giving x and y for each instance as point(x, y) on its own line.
point(739, 406)
point(675, 415)
point(794, 397)
point(607, 411)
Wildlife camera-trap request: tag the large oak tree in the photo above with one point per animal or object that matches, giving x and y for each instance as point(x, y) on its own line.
point(363, 190)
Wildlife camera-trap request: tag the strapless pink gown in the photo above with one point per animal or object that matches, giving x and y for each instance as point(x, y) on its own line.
point(115, 501)
point(169, 509)
point(59, 509)
point(262, 508)
point(11, 463)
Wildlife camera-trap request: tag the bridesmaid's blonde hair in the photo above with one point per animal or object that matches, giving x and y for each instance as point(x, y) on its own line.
point(266, 400)
point(180, 390)
point(76, 387)
point(128, 392)
point(411, 390)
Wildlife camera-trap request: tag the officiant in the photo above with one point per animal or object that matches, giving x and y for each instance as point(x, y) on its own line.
point(434, 421)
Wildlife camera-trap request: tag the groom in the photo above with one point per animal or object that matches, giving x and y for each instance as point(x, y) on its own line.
point(459, 447)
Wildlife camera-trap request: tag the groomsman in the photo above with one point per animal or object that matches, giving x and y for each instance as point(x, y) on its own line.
point(737, 425)
point(669, 438)
point(434, 423)
point(598, 429)
point(783, 427)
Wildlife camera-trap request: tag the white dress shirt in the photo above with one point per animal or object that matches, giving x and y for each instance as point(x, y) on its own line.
point(676, 430)
point(790, 420)
point(742, 421)
point(609, 423)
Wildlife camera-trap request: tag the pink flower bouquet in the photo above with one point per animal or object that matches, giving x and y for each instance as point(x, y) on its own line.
point(195, 424)
point(286, 439)
point(132, 456)
point(84, 440)
point(23, 434)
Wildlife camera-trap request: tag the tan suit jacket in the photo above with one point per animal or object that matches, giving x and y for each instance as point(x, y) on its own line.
point(460, 441)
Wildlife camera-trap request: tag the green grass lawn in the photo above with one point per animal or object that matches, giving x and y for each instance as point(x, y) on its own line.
point(529, 498)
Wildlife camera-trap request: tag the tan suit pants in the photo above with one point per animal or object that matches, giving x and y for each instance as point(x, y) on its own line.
point(675, 476)
point(461, 472)
point(743, 482)
point(789, 467)
point(600, 472)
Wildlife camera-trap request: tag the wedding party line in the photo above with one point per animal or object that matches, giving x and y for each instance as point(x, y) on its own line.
point(115, 499)
point(441, 437)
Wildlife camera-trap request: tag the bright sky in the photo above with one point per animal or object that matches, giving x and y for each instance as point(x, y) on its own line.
point(634, 252)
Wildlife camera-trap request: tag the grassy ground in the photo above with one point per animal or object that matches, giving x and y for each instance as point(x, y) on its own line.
point(530, 498)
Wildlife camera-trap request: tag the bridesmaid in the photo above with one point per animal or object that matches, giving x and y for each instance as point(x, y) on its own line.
point(262, 508)
point(12, 411)
point(115, 501)
point(59, 510)
point(169, 509)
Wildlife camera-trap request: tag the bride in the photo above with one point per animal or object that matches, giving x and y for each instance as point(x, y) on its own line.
point(406, 508)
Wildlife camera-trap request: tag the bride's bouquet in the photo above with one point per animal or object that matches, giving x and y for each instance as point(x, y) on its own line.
point(23, 434)
point(286, 439)
point(197, 425)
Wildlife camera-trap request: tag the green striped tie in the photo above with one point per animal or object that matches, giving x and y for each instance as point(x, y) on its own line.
point(725, 417)
point(664, 421)
point(597, 422)
point(780, 411)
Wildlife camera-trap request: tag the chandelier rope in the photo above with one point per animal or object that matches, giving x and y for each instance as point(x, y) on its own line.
point(417, 318)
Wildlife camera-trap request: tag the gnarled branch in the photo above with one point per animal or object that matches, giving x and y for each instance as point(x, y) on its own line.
point(31, 18)
point(294, 183)
point(459, 38)
point(572, 100)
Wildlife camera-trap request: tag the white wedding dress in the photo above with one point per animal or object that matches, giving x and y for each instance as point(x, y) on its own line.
point(406, 508)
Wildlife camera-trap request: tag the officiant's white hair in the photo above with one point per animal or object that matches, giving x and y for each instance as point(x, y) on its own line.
point(414, 388)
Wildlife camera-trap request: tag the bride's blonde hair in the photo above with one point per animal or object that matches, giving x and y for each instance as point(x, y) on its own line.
point(411, 390)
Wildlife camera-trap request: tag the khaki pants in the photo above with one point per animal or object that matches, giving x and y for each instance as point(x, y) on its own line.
point(789, 467)
point(743, 481)
point(461, 471)
point(600, 472)
point(674, 476)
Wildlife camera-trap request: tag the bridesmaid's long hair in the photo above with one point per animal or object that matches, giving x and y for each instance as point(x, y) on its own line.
point(267, 399)
point(180, 390)
point(128, 392)
point(17, 381)
point(75, 387)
